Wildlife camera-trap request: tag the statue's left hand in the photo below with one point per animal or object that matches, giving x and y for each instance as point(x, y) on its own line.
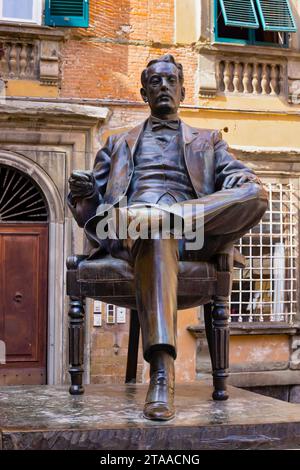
point(237, 179)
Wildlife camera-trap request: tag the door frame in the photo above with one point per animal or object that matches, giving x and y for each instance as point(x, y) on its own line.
point(57, 322)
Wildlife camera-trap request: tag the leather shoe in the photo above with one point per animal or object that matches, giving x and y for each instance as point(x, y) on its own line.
point(159, 403)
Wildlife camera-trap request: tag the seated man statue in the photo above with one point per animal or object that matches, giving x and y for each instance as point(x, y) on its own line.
point(160, 163)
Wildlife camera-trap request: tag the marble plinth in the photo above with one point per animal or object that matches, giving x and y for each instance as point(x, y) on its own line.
point(109, 417)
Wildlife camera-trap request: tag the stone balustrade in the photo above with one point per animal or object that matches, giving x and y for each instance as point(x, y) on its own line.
point(18, 60)
point(30, 53)
point(250, 77)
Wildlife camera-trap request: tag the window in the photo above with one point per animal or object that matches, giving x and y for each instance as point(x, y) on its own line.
point(266, 290)
point(257, 22)
point(21, 11)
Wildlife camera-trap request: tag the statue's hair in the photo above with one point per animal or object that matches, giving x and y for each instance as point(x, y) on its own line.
point(165, 58)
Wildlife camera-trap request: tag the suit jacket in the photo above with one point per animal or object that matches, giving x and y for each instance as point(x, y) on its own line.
point(207, 159)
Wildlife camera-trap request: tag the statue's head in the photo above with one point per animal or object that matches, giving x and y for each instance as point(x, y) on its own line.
point(162, 85)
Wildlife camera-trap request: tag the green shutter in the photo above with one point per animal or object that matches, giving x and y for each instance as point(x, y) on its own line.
point(276, 15)
point(239, 13)
point(70, 13)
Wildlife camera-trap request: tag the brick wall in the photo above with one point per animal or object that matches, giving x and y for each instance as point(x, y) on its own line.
point(105, 61)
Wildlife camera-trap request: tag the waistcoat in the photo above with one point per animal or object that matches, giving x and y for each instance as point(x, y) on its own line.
point(160, 174)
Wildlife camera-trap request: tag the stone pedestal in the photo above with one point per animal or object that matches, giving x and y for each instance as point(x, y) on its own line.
point(110, 418)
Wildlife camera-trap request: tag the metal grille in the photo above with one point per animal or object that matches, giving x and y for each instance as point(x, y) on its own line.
point(20, 198)
point(266, 290)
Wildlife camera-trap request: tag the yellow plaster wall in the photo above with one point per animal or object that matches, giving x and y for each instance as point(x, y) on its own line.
point(251, 120)
point(30, 88)
point(187, 18)
point(250, 102)
point(259, 349)
point(186, 358)
point(249, 129)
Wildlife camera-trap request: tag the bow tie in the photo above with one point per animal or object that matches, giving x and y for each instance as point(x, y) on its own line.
point(158, 124)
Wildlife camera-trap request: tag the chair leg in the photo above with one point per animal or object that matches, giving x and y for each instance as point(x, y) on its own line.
point(76, 344)
point(133, 347)
point(220, 347)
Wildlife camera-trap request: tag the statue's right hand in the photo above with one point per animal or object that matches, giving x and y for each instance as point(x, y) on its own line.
point(82, 184)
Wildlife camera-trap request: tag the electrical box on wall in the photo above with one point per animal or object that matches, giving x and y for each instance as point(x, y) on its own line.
point(113, 314)
point(97, 306)
point(97, 313)
point(121, 315)
point(110, 313)
point(97, 319)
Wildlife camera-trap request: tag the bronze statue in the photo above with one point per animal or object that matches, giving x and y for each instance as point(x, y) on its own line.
point(161, 162)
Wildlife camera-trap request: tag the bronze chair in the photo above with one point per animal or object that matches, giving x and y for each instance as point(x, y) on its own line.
point(112, 281)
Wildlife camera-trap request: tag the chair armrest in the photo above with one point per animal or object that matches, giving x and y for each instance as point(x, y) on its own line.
point(228, 259)
point(73, 261)
point(72, 286)
point(239, 260)
point(224, 259)
point(224, 267)
point(225, 262)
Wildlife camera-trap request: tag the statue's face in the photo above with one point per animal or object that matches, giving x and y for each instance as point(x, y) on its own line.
point(164, 90)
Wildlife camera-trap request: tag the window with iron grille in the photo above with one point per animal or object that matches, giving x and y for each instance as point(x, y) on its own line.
point(266, 289)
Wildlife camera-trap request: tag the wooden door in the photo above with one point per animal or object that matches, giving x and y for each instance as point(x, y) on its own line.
point(23, 302)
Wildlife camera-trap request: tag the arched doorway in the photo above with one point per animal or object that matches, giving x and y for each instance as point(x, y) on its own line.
point(23, 278)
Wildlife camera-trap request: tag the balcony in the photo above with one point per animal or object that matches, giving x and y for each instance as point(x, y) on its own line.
point(30, 53)
point(19, 59)
point(257, 77)
point(227, 69)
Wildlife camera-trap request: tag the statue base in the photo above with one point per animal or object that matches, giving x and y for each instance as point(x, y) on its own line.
point(109, 417)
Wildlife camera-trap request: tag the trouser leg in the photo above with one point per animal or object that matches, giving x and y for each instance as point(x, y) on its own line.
point(227, 215)
point(155, 263)
point(155, 272)
point(240, 209)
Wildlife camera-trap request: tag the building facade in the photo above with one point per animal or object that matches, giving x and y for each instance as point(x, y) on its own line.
point(64, 89)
